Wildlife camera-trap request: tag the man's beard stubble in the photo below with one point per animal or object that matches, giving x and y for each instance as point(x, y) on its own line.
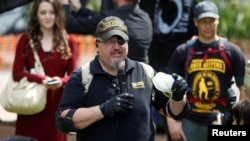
point(117, 65)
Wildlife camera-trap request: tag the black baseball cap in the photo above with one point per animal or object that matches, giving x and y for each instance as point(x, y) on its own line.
point(111, 26)
point(204, 9)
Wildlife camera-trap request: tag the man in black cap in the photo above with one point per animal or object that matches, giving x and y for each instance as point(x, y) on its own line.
point(208, 62)
point(117, 104)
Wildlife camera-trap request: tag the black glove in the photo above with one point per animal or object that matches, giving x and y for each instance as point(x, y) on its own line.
point(121, 103)
point(179, 87)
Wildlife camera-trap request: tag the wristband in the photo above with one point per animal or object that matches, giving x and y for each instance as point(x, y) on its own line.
point(183, 113)
point(70, 114)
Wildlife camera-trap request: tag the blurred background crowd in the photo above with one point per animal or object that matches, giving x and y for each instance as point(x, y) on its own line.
point(234, 18)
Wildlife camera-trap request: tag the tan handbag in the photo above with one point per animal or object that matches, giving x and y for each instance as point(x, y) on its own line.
point(247, 79)
point(24, 97)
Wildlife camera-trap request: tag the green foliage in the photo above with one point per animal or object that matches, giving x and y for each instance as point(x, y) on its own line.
point(94, 5)
point(234, 18)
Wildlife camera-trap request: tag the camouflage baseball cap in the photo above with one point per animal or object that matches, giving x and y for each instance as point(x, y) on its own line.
point(111, 26)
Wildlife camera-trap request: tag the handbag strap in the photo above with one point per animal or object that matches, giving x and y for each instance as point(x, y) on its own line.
point(37, 59)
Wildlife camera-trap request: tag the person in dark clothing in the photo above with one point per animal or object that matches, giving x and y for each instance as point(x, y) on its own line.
point(172, 26)
point(208, 63)
point(82, 20)
point(107, 5)
point(115, 109)
point(6, 5)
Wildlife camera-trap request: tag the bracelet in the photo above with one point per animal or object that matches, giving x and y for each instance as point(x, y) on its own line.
point(183, 113)
point(70, 114)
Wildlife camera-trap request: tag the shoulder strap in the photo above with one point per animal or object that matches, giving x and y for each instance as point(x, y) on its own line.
point(38, 65)
point(191, 41)
point(86, 76)
point(190, 51)
point(222, 41)
point(148, 69)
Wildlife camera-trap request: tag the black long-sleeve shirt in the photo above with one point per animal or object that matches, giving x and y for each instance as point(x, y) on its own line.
point(137, 21)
